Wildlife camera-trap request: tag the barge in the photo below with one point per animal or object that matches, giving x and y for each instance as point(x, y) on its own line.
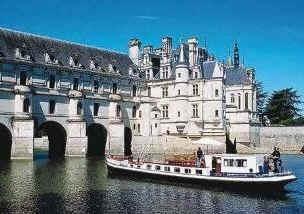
point(229, 170)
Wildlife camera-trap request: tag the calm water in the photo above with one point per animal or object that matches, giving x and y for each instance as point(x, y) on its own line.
point(79, 185)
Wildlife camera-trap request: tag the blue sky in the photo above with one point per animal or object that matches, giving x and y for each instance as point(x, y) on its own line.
point(270, 33)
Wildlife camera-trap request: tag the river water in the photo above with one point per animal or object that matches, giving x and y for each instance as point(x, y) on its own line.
point(80, 185)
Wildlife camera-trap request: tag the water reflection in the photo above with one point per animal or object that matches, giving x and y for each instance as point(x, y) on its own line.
point(81, 185)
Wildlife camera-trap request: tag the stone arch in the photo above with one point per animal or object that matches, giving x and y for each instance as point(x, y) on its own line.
point(127, 141)
point(5, 143)
point(57, 137)
point(97, 139)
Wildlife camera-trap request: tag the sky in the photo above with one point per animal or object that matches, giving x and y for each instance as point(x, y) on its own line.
point(270, 33)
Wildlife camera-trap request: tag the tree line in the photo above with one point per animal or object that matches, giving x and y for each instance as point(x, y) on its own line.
point(281, 107)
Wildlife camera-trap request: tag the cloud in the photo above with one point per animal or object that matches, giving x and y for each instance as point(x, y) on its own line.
point(147, 17)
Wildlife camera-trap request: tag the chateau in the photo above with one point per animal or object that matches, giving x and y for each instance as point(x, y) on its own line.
point(73, 99)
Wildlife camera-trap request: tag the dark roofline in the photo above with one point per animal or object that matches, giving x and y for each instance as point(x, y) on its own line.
point(62, 41)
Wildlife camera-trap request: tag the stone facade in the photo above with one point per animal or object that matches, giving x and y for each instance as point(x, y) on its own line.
point(72, 95)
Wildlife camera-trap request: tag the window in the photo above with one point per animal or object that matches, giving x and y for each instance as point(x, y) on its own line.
point(216, 92)
point(149, 91)
point(167, 168)
point(165, 111)
point(155, 125)
point(134, 91)
point(187, 171)
point(195, 90)
point(96, 109)
point(79, 108)
point(148, 74)
point(232, 100)
point(195, 75)
point(228, 162)
point(239, 101)
point(198, 172)
point(52, 81)
point(114, 88)
point(179, 75)
point(178, 92)
point(118, 110)
point(157, 167)
point(26, 105)
point(138, 128)
point(96, 86)
point(178, 113)
point(176, 169)
point(52, 106)
point(134, 126)
point(149, 166)
point(23, 78)
point(241, 163)
point(216, 113)
point(165, 91)
point(75, 83)
point(134, 112)
point(139, 114)
point(195, 110)
point(155, 115)
point(246, 100)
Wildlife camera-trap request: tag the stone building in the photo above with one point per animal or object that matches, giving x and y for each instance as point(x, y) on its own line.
point(73, 99)
point(195, 94)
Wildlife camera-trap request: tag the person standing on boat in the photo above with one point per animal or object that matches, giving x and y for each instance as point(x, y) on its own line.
point(276, 158)
point(199, 156)
point(266, 165)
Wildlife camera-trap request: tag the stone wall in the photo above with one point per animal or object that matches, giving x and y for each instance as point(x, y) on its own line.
point(288, 139)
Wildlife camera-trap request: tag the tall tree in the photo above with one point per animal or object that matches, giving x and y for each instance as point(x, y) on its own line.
point(282, 106)
point(261, 96)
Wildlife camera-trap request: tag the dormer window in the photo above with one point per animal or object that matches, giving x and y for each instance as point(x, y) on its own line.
point(74, 62)
point(110, 68)
point(21, 53)
point(93, 65)
point(50, 58)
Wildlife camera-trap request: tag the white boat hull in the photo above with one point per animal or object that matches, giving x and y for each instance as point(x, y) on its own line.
point(249, 182)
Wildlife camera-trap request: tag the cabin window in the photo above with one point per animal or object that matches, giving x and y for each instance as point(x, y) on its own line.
point(198, 172)
point(157, 167)
point(241, 163)
point(149, 166)
point(167, 168)
point(228, 162)
point(176, 169)
point(187, 171)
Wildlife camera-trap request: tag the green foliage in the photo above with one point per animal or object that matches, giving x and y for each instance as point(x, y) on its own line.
point(282, 107)
point(261, 96)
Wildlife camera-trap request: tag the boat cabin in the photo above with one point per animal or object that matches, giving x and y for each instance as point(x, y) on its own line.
point(235, 163)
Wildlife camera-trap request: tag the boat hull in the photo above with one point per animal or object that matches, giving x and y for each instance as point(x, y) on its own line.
point(204, 181)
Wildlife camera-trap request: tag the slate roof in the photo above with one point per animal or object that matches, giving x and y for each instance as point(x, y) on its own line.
point(237, 76)
point(36, 46)
point(208, 69)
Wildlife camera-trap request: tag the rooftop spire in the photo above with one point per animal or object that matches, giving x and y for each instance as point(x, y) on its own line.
point(236, 56)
